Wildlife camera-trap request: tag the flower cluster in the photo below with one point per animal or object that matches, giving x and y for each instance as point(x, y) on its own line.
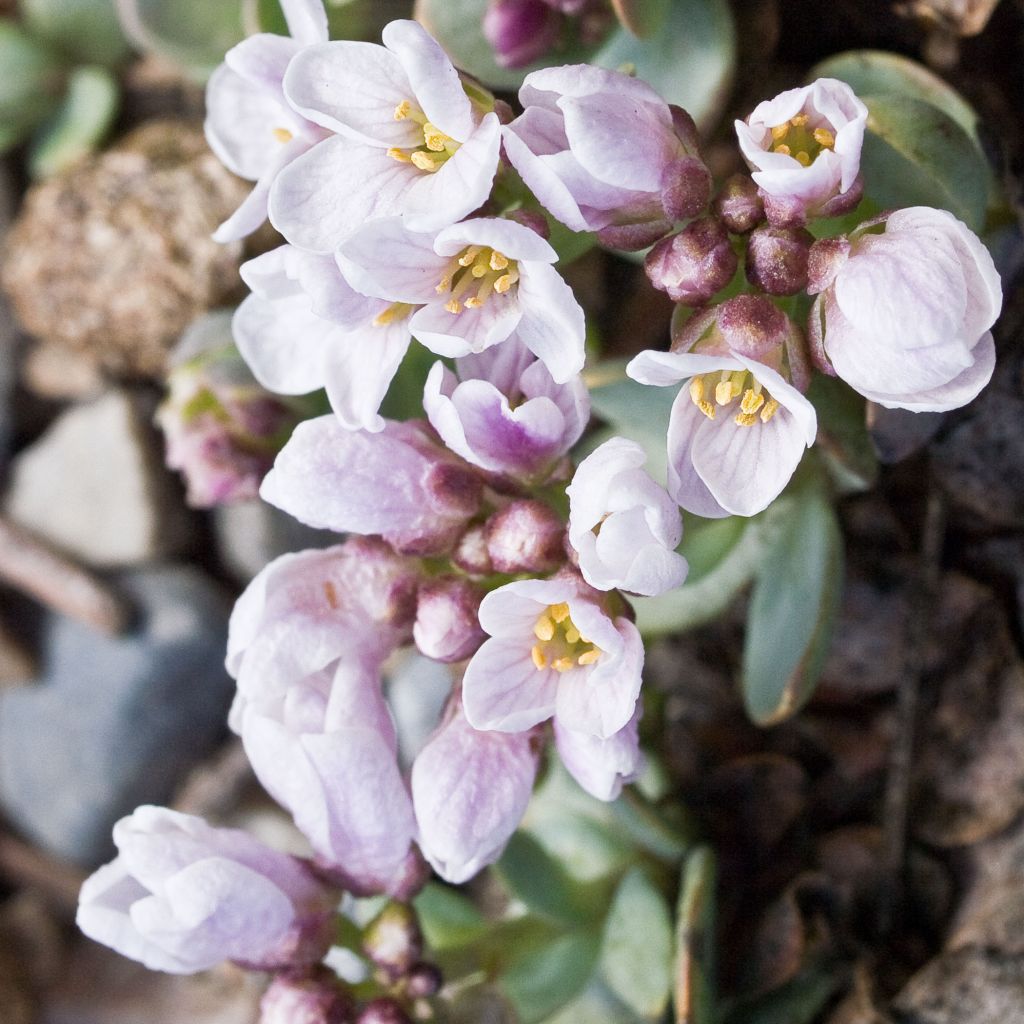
point(476, 534)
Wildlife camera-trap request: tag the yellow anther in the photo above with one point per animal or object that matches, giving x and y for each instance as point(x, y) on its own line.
point(396, 311)
point(283, 135)
point(802, 158)
point(443, 285)
point(506, 281)
point(480, 268)
point(697, 389)
point(434, 138)
point(783, 149)
point(402, 110)
point(544, 629)
point(780, 131)
point(424, 161)
point(400, 155)
point(572, 635)
point(752, 401)
point(588, 657)
point(559, 612)
point(725, 392)
point(474, 302)
point(824, 138)
point(769, 410)
point(468, 258)
point(539, 658)
point(745, 419)
point(799, 121)
point(708, 408)
point(454, 307)
point(498, 261)
point(562, 664)
point(331, 594)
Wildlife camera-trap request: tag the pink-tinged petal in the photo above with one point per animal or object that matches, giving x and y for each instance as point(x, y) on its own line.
point(787, 396)
point(684, 482)
point(553, 326)
point(307, 20)
point(359, 370)
point(620, 140)
point(323, 196)
point(578, 80)
point(353, 88)
point(513, 610)
point(283, 343)
point(503, 365)
point(601, 766)
point(781, 108)
point(267, 274)
point(633, 558)
point(503, 690)
point(262, 60)
point(571, 398)
point(810, 185)
point(331, 296)
point(436, 85)
point(660, 369)
point(599, 699)
point(516, 241)
point(470, 790)
point(746, 468)
point(384, 258)
point(462, 185)
point(470, 330)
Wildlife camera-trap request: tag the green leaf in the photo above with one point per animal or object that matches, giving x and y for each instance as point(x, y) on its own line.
point(649, 828)
point(29, 85)
point(916, 155)
point(877, 73)
point(536, 878)
point(404, 400)
point(792, 609)
point(86, 30)
point(80, 123)
point(447, 918)
point(690, 61)
point(636, 949)
point(544, 979)
point(843, 440)
point(694, 972)
point(348, 20)
point(641, 17)
point(595, 1005)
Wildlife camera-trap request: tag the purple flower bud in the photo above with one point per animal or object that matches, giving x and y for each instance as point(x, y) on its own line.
point(316, 997)
point(694, 264)
point(470, 554)
point(393, 940)
point(423, 980)
point(447, 628)
point(634, 237)
point(824, 262)
point(738, 204)
point(686, 188)
point(520, 31)
point(536, 222)
point(383, 1011)
point(526, 536)
point(777, 259)
point(752, 325)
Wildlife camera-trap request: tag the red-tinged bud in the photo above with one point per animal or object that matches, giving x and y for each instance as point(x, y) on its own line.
point(457, 489)
point(824, 262)
point(752, 325)
point(694, 264)
point(423, 980)
point(633, 237)
point(738, 204)
point(447, 627)
point(313, 997)
point(777, 259)
point(526, 536)
point(685, 188)
point(471, 555)
point(383, 1011)
point(520, 31)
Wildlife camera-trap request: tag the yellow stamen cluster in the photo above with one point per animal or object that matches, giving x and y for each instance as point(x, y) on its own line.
point(560, 644)
point(755, 403)
point(282, 135)
point(436, 149)
point(474, 275)
point(794, 138)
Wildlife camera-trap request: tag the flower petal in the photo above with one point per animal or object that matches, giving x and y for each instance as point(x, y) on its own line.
point(384, 258)
point(552, 327)
point(503, 689)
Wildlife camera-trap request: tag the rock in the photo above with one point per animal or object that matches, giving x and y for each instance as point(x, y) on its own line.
point(94, 485)
point(114, 258)
point(250, 534)
point(115, 722)
point(55, 372)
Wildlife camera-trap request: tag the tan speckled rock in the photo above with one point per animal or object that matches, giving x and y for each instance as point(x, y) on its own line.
point(115, 258)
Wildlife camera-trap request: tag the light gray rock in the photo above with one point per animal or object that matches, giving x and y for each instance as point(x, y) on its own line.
point(115, 722)
point(94, 485)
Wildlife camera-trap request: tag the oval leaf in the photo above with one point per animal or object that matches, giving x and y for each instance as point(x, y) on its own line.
point(695, 940)
point(917, 155)
point(30, 83)
point(544, 979)
point(792, 610)
point(86, 30)
point(641, 17)
point(531, 874)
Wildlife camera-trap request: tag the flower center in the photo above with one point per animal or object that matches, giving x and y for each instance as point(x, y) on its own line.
point(474, 275)
point(726, 387)
point(803, 144)
point(560, 644)
point(436, 148)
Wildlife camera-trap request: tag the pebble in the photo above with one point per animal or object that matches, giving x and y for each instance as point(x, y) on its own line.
point(94, 485)
point(115, 722)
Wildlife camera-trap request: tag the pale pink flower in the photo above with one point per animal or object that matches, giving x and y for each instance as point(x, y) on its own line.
point(410, 139)
point(476, 284)
point(604, 152)
point(554, 652)
point(470, 790)
point(182, 896)
point(249, 123)
point(739, 428)
point(601, 766)
point(904, 313)
point(624, 527)
point(804, 148)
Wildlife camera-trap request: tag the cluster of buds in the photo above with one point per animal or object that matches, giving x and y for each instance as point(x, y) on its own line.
point(471, 534)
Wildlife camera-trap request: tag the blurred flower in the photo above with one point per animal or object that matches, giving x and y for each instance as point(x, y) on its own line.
point(314, 996)
point(526, 535)
point(694, 264)
point(521, 31)
point(905, 310)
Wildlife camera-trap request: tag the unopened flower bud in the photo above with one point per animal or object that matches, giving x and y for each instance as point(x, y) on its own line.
point(314, 997)
point(686, 188)
point(694, 264)
point(447, 628)
point(383, 1011)
point(738, 204)
point(536, 222)
point(777, 259)
point(526, 536)
point(634, 237)
point(752, 325)
point(470, 554)
point(520, 31)
point(393, 940)
point(824, 262)
point(456, 488)
point(423, 980)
